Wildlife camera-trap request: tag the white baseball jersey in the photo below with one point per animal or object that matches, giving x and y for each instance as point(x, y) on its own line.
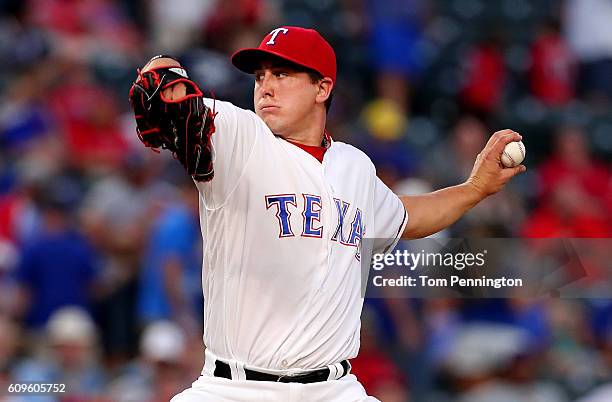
point(281, 271)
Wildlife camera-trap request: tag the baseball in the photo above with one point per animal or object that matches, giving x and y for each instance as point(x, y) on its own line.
point(513, 154)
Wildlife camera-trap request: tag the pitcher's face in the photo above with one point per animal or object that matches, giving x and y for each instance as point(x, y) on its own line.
point(284, 97)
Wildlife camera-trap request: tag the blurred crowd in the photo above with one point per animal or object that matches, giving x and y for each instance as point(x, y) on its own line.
point(100, 248)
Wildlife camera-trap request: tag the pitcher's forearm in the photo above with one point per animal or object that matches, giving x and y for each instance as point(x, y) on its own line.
point(432, 212)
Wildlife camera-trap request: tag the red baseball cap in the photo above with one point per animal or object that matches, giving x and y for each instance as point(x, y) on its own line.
point(305, 47)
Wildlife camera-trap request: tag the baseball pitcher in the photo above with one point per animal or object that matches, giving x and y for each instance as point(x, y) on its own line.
point(283, 209)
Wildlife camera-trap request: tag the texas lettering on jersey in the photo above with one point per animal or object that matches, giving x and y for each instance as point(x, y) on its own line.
point(284, 204)
point(284, 236)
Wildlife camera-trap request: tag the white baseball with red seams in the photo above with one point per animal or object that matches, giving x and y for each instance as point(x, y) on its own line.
point(513, 155)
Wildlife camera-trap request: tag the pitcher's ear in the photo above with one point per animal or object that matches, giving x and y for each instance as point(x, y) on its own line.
point(326, 85)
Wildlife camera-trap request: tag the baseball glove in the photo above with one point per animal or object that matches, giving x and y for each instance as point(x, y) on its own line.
point(184, 126)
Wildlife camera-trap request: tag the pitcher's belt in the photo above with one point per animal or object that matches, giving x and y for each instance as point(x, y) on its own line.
point(223, 370)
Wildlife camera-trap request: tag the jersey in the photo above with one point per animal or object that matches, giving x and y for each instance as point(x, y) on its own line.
point(281, 270)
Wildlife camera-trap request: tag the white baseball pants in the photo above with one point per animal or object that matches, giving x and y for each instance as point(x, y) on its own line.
point(214, 389)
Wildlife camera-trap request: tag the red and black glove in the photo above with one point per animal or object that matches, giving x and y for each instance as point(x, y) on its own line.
point(184, 126)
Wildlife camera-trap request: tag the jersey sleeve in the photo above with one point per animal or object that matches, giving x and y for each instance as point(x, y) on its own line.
point(390, 218)
point(236, 132)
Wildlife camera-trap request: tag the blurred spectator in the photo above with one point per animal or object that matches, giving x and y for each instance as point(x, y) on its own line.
point(485, 77)
point(553, 67)
point(122, 201)
point(116, 214)
point(87, 116)
point(378, 374)
point(589, 34)
point(451, 162)
point(85, 29)
point(218, 77)
point(384, 119)
point(572, 161)
point(417, 186)
point(57, 268)
point(177, 26)
point(395, 25)
point(569, 213)
point(573, 188)
point(9, 289)
point(24, 117)
point(71, 358)
point(482, 348)
point(170, 279)
point(159, 373)
point(493, 362)
point(385, 127)
point(532, 316)
point(233, 21)
point(441, 322)
point(20, 42)
point(573, 361)
point(12, 208)
point(9, 344)
point(20, 216)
